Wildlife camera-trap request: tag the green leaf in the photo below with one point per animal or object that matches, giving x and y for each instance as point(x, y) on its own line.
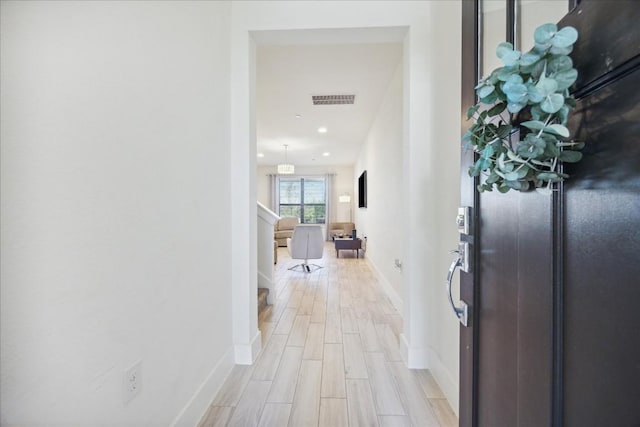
point(542, 48)
point(547, 86)
point(522, 172)
point(539, 163)
point(557, 130)
point(552, 103)
point(488, 100)
point(505, 73)
point(503, 49)
point(511, 58)
point(497, 109)
point(529, 58)
point(516, 185)
point(549, 176)
point(485, 90)
point(513, 156)
point(504, 131)
point(544, 191)
point(559, 63)
point(531, 146)
point(472, 110)
point(555, 50)
point(544, 33)
point(501, 161)
point(537, 113)
point(503, 188)
point(570, 156)
point(535, 70)
point(551, 149)
point(565, 37)
point(534, 95)
point(515, 107)
point(493, 178)
point(566, 78)
point(488, 151)
point(511, 176)
point(563, 113)
point(533, 124)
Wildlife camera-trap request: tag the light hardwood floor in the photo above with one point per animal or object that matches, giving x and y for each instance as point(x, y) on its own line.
point(330, 357)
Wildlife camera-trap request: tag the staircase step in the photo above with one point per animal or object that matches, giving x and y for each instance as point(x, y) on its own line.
point(263, 293)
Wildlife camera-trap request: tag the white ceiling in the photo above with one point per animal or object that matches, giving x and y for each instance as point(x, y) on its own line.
point(287, 77)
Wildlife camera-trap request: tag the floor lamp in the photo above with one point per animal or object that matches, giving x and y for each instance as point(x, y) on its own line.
point(346, 198)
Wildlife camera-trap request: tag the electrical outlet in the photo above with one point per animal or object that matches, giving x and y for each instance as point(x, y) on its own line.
point(132, 381)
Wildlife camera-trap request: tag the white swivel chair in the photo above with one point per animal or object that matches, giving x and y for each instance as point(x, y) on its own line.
point(307, 242)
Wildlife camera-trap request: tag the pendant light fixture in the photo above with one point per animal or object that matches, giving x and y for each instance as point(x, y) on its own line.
point(285, 168)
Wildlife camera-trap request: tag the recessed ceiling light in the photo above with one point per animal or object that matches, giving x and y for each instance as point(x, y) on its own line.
point(260, 155)
point(322, 130)
point(298, 116)
point(326, 154)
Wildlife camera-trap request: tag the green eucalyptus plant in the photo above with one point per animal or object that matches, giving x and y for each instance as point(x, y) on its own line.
point(519, 124)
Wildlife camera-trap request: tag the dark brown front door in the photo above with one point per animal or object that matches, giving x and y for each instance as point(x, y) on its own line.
point(554, 331)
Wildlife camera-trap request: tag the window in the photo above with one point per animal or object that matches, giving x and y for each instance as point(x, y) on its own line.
point(304, 198)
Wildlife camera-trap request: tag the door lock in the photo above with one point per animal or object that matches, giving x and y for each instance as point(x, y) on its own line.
point(463, 256)
point(463, 219)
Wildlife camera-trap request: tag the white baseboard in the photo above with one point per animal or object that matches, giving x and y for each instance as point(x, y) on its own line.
point(413, 357)
point(445, 380)
point(246, 354)
point(388, 289)
point(196, 407)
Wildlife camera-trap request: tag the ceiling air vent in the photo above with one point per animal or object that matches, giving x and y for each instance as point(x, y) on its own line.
point(332, 99)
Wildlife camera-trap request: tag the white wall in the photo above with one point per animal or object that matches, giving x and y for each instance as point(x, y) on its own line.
point(431, 144)
point(115, 163)
point(383, 219)
point(440, 190)
point(343, 184)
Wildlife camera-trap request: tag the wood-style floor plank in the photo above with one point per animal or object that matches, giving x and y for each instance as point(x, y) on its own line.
point(383, 386)
point(319, 312)
point(306, 402)
point(443, 412)
point(333, 413)
point(354, 364)
point(349, 323)
point(333, 379)
point(234, 385)
point(314, 345)
point(267, 364)
point(286, 321)
point(389, 342)
point(275, 415)
point(368, 335)
point(412, 396)
point(249, 409)
point(306, 305)
point(360, 403)
point(286, 378)
point(394, 421)
point(298, 334)
point(333, 330)
point(216, 416)
point(429, 385)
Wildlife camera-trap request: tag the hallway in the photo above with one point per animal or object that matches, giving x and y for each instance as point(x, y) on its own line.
point(330, 357)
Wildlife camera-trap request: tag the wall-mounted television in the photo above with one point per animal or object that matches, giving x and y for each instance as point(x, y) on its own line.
point(362, 190)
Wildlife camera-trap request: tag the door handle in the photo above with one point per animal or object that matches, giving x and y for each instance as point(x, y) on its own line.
point(461, 312)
